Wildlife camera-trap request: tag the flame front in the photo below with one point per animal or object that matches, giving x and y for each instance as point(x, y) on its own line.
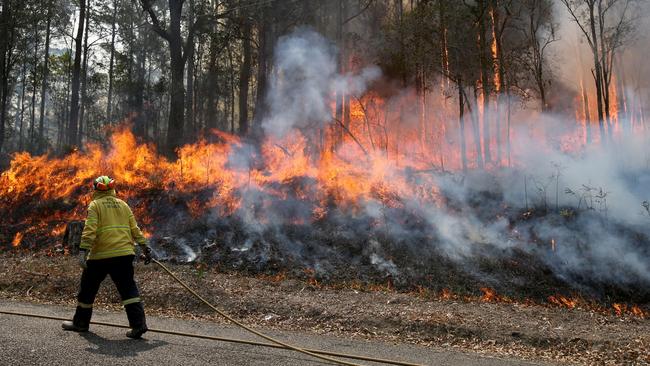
point(344, 178)
point(17, 239)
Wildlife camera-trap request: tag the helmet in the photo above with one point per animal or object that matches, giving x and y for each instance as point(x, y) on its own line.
point(103, 183)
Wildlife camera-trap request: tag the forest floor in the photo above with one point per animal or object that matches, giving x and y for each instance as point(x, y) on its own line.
point(522, 330)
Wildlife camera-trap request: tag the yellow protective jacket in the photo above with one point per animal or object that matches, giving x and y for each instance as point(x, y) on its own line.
point(110, 228)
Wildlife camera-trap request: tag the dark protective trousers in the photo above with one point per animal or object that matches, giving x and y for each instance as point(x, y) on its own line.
point(121, 271)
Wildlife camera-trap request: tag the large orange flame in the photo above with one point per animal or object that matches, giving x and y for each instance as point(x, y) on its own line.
point(346, 176)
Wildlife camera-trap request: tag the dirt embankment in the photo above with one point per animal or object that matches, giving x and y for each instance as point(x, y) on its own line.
point(578, 336)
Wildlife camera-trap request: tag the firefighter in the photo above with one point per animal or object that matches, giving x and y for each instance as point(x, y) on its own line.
point(107, 248)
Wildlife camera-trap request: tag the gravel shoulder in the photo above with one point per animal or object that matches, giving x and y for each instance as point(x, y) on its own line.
point(520, 331)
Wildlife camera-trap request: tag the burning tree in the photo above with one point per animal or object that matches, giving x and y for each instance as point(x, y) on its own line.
point(607, 26)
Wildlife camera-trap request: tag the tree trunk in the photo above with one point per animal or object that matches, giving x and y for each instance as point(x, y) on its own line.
point(461, 122)
point(63, 127)
point(444, 61)
point(597, 75)
point(5, 46)
point(198, 89)
point(111, 66)
point(189, 98)
point(508, 120)
point(84, 79)
point(585, 106)
point(231, 102)
point(339, 94)
point(485, 83)
point(244, 78)
point(76, 78)
point(624, 116)
point(139, 78)
point(211, 110)
point(21, 116)
point(46, 74)
point(605, 70)
point(264, 39)
point(32, 115)
point(500, 83)
point(476, 129)
point(177, 87)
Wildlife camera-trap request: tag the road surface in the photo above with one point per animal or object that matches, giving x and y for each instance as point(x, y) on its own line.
point(33, 341)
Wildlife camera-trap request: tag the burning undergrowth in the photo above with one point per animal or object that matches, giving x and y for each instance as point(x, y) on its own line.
point(556, 224)
point(465, 235)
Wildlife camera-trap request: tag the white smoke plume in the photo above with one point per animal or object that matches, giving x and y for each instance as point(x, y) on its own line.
point(305, 81)
point(593, 230)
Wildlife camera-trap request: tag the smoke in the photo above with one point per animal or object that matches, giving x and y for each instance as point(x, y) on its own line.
point(305, 81)
point(565, 209)
point(571, 59)
point(576, 208)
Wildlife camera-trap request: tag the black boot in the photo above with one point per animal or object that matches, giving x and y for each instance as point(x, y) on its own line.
point(80, 322)
point(68, 325)
point(137, 321)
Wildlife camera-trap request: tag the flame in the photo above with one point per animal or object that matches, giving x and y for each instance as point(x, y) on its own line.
point(278, 277)
point(613, 104)
point(620, 309)
point(446, 294)
point(356, 110)
point(495, 58)
point(638, 312)
point(488, 294)
point(17, 240)
point(563, 301)
point(58, 229)
point(445, 58)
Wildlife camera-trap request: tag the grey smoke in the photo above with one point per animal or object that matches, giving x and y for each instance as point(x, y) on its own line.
point(304, 82)
point(598, 244)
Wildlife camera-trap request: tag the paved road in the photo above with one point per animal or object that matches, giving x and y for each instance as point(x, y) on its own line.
point(31, 341)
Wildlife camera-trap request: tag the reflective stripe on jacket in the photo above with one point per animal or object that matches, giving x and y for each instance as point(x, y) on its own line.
point(110, 228)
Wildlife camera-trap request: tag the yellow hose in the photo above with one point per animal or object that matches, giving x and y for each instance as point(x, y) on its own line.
point(237, 323)
point(220, 339)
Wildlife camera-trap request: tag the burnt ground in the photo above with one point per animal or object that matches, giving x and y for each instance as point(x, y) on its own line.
point(584, 335)
point(477, 238)
point(480, 242)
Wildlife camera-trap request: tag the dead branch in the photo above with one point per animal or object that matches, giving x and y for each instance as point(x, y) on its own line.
point(36, 273)
point(284, 149)
point(351, 135)
point(365, 118)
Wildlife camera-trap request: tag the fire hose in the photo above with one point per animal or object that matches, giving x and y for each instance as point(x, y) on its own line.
point(251, 330)
point(275, 343)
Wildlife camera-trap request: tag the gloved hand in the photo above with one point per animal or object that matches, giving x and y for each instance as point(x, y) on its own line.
point(146, 254)
point(82, 259)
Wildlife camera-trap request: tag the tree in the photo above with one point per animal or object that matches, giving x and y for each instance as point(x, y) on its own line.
point(189, 100)
point(539, 30)
point(84, 76)
point(606, 25)
point(179, 50)
point(6, 53)
point(44, 81)
point(465, 66)
point(244, 77)
point(111, 66)
point(73, 126)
